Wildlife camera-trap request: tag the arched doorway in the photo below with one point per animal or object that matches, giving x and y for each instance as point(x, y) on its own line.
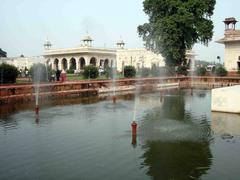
point(93, 61)
point(106, 62)
point(73, 64)
point(56, 62)
point(101, 64)
point(64, 63)
point(82, 62)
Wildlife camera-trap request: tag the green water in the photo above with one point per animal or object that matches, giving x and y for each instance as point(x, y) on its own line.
point(178, 138)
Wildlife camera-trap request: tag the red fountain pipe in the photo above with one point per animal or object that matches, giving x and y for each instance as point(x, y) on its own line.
point(114, 99)
point(134, 128)
point(37, 109)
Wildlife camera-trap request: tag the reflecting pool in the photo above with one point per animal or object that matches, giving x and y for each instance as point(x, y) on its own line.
point(178, 138)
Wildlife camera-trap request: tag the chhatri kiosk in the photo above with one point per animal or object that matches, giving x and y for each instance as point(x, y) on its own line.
point(231, 41)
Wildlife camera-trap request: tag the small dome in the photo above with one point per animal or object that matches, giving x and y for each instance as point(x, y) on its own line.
point(47, 43)
point(87, 38)
point(120, 42)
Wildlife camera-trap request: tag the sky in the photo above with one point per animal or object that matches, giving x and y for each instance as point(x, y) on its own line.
point(27, 24)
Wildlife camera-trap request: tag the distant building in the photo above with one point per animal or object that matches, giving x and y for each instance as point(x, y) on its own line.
point(76, 58)
point(22, 62)
point(231, 41)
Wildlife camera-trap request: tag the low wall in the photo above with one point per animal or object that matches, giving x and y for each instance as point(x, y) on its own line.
point(11, 93)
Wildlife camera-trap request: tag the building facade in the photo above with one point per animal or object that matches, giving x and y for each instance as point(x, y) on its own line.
point(231, 41)
point(76, 58)
point(22, 62)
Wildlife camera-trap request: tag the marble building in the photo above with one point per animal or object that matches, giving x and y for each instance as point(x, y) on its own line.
point(231, 40)
point(77, 57)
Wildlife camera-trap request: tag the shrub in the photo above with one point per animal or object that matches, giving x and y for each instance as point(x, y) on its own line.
point(182, 70)
point(90, 71)
point(155, 71)
point(220, 71)
point(145, 72)
point(162, 71)
point(39, 72)
point(8, 73)
point(110, 72)
point(201, 71)
point(129, 71)
point(70, 71)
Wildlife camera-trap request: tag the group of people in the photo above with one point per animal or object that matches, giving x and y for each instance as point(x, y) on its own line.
point(24, 72)
point(59, 75)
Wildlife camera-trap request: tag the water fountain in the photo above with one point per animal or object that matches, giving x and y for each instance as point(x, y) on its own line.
point(114, 77)
point(192, 68)
point(38, 76)
point(36, 88)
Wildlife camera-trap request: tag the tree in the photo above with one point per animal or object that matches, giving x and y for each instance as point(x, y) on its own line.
point(175, 26)
point(8, 73)
point(39, 72)
point(90, 71)
point(201, 71)
point(129, 71)
point(3, 53)
point(220, 71)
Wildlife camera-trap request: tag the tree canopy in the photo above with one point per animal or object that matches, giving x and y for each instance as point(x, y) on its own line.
point(175, 26)
point(3, 53)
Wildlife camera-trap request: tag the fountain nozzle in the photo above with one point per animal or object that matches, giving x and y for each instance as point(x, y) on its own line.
point(37, 109)
point(114, 99)
point(134, 128)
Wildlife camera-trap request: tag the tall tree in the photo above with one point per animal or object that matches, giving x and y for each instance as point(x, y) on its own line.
point(3, 53)
point(175, 26)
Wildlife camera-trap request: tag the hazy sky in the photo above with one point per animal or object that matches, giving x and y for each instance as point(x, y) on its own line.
point(25, 24)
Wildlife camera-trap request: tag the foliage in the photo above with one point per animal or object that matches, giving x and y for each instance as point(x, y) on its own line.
point(90, 71)
point(175, 25)
point(129, 71)
point(145, 72)
point(182, 70)
point(201, 71)
point(39, 72)
point(70, 71)
point(155, 71)
point(162, 71)
point(110, 72)
point(8, 73)
point(3, 53)
point(220, 71)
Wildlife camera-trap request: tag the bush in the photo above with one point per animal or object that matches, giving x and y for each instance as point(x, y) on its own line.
point(144, 72)
point(39, 72)
point(182, 70)
point(155, 71)
point(110, 72)
point(162, 71)
point(129, 71)
point(70, 71)
point(201, 71)
point(220, 71)
point(8, 73)
point(90, 71)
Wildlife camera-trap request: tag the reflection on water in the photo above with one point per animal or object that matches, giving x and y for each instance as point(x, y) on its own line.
point(177, 160)
point(176, 142)
point(91, 139)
